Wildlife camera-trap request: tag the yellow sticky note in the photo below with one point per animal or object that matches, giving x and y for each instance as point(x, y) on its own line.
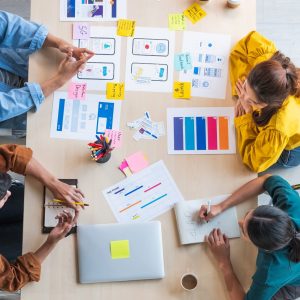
point(125, 27)
point(177, 22)
point(182, 90)
point(195, 13)
point(119, 249)
point(115, 91)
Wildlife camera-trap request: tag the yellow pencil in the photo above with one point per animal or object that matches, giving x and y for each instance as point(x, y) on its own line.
point(76, 203)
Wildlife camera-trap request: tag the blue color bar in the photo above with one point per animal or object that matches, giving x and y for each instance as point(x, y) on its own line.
point(154, 200)
point(60, 118)
point(114, 9)
point(201, 133)
point(189, 133)
point(178, 133)
point(71, 9)
point(133, 190)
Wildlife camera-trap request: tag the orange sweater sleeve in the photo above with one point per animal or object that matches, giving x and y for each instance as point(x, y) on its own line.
point(13, 276)
point(14, 158)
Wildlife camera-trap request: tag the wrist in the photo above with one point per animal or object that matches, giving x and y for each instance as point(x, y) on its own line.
point(225, 266)
point(51, 242)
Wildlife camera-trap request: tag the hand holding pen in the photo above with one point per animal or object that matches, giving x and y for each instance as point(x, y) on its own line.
point(207, 212)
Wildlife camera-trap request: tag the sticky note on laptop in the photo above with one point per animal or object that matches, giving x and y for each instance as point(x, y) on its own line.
point(119, 249)
point(137, 162)
point(194, 13)
point(125, 27)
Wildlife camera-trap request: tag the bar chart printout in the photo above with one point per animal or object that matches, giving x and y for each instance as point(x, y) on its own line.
point(144, 195)
point(208, 130)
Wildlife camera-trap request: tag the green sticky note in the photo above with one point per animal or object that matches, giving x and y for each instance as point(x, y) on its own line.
point(119, 249)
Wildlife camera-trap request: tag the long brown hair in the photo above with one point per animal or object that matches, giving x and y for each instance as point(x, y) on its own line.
point(272, 82)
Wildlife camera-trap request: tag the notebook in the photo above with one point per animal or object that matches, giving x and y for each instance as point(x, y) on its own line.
point(192, 230)
point(51, 209)
point(120, 252)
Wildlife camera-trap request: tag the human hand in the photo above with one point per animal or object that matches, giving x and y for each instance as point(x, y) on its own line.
point(214, 211)
point(69, 67)
point(219, 246)
point(243, 96)
point(66, 192)
point(75, 52)
point(239, 109)
point(63, 227)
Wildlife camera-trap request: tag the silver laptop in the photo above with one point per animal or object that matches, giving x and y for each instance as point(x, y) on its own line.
point(120, 252)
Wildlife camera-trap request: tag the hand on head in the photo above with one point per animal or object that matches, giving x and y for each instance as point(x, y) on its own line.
point(65, 223)
point(242, 106)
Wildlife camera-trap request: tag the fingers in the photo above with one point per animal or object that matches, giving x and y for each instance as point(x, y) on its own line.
point(79, 192)
point(203, 212)
point(220, 236)
point(207, 241)
point(226, 240)
point(211, 238)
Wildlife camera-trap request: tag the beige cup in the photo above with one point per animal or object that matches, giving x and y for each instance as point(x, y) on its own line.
point(189, 281)
point(233, 3)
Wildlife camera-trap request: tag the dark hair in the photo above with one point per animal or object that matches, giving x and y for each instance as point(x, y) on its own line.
point(270, 228)
point(272, 82)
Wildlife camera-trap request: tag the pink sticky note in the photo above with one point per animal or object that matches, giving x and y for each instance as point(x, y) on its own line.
point(81, 31)
point(77, 91)
point(115, 136)
point(137, 162)
point(123, 165)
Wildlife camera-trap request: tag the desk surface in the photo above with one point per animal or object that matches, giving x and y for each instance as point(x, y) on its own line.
point(70, 159)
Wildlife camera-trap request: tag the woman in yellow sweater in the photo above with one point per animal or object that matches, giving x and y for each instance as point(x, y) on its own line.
point(268, 108)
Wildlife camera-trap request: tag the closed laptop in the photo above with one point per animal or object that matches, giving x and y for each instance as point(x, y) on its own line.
point(120, 252)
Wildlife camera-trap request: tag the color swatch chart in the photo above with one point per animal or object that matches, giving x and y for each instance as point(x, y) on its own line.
point(144, 195)
point(196, 130)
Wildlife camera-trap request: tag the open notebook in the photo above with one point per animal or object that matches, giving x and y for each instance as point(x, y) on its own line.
point(192, 230)
point(51, 209)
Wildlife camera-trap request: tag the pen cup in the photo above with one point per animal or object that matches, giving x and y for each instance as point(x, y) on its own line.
point(104, 159)
point(100, 150)
point(189, 281)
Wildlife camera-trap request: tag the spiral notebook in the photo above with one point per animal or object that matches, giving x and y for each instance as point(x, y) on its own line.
point(51, 209)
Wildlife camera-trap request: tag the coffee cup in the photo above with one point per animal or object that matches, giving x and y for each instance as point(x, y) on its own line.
point(189, 281)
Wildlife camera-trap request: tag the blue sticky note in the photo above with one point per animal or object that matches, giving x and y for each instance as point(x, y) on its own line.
point(183, 62)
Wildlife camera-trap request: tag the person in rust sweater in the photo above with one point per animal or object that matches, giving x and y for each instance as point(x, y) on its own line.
point(27, 267)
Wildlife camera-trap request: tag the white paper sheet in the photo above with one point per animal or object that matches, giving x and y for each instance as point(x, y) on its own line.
point(92, 10)
point(205, 130)
point(144, 195)
point(210, 55)
point(83, 119)
point(104, 66)
point(149, 61)
point(193, 230)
